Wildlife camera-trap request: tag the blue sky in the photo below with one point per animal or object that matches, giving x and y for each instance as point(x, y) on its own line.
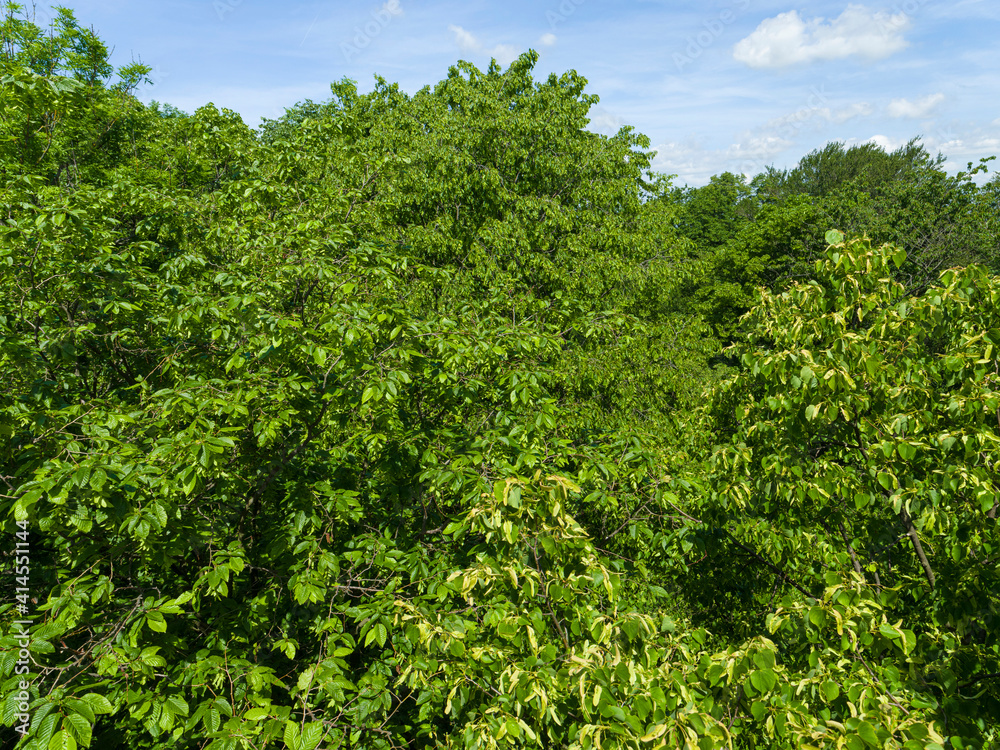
point(732, 85)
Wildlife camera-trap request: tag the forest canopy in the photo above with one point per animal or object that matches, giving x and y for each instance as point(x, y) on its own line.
point(438, 420)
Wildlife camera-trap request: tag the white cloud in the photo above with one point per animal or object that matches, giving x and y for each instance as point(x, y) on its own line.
point(604, 122)
point(858, 109)
point(696, 164)
point(816, 117)
point(787, 39)
point(918, 108)
point(505, 54)
point(547, 39)
point(758, 147)
point(886, 143)
point(752, 150)
point(969, 146)
point(466, 41)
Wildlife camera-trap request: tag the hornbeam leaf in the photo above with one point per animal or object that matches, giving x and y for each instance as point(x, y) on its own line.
point(867, 733)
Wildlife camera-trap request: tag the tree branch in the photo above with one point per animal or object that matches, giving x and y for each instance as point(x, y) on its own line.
point(768, 563)
point(911, 531)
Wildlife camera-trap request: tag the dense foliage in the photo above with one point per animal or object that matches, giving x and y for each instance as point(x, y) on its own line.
point(432, 420)
point(769, 231)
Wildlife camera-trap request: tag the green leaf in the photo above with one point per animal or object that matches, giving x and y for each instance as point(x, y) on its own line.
point(890, 632)
point(156, 622)
point(150, 656)
point(178, 704)
point(79, 727)
point(46, 729)
point(82, 708)
point(763, 680)
point(831, 690)
point(834, 237)
point(291, 735)
point(98, 479)
point(312, 734)
point(817, 616)
point(62, 740)
point(867, 733)
point(212, 719)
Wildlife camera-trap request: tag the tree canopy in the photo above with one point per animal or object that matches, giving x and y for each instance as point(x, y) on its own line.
point(438, 420)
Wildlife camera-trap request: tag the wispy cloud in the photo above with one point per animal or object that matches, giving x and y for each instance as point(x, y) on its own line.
point(818, 116)
point(858, 109)
point(914, 108)
point(698, 164)
point(758, 147)
point(465, 41)
point(772, 141)
point(788, 39)
point(505, 54)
